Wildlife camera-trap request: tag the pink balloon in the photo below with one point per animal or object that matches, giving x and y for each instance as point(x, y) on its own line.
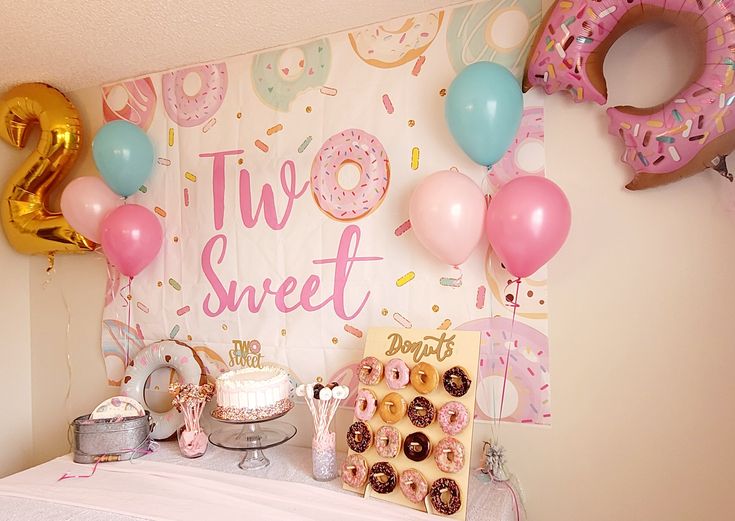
point(527, 222)
point(131, 238)
point(447, 212)
point(85, 202)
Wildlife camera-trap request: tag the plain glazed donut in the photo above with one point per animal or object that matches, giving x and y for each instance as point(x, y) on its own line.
point(413, 485)
point(453, 418)
point(365, 405)
point(439, 488)
point(140, 105)
point(362, 150)
point(359, 436)
point(392, 408)
point(397, 374)
point(388, 441)
point(371, 371)
point(456, 381)
point(191, 111)
point(355, 471)
point(424, 377)
point(383, 477)
point(449, 455)
point(417, 446)
point(421, 412)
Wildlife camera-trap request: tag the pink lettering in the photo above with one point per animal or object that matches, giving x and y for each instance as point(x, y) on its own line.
point(218, 183)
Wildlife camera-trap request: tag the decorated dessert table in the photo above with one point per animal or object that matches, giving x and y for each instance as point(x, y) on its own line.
point(164, 486)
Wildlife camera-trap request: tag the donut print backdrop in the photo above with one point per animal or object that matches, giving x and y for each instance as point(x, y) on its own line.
point(282, 181)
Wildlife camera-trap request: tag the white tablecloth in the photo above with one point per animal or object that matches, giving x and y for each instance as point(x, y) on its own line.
point(166, 486)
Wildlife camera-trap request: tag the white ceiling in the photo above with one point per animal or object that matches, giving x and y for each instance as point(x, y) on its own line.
point(75, 44)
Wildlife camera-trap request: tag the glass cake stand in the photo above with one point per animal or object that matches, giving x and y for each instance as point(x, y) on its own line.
point(252, 437)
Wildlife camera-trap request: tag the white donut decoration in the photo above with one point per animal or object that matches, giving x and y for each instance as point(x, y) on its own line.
point(526, 153)
point(363, 151)
point(527, 396)
point(164, 354)
point(192, 111)
point(395, 43)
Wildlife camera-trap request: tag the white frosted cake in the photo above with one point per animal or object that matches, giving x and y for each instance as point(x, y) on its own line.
point(253, 394)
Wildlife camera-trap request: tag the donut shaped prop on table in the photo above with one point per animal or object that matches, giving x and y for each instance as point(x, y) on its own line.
point(358, 149)
point(280, 76)
point(146, 362)
point(365, 405)
point(526, 153)
point(498, 31)
point(413, 485)
point(388, 46)
point(133, 101)
point(665, 142)
point(192, 111)
point(355, 471)
point(527, 395)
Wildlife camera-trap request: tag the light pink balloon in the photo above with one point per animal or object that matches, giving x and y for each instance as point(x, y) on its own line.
point(85, 202)
point(527, 222)
point(131, 238)
point(447, 212)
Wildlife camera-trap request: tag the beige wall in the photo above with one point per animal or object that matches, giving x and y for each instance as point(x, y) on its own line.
point(641, 328)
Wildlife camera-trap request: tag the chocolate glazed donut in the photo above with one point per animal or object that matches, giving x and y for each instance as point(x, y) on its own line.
point(383, 477)
point(359, 436)
point(417, 446)
point(456, 381)
point(453, 502)
point(421, 412)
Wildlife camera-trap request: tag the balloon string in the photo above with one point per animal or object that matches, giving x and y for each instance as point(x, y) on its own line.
point(127, 297)
point(514, 305)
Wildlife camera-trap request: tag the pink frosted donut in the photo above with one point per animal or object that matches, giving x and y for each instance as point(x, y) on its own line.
point(413, 485)
point(365, 405)
point(397, 374)
point(190, 111)
point(530, 132)
point(453, 418)
point(355, 471)
point(663, 142)
point(388, 441)
point(362, 150)
point(449, 455)
point(370, 371)
point(139, 106)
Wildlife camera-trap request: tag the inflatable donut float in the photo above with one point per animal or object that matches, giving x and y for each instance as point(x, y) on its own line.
point(527, 388)
point(501, 32)
point(193, 110)
point(363, 151)
point(665, 142)
point(133, 101)
point(164, 354)
point(532, 294)
point(529, 141)
point(397, 42)
point(280, 76)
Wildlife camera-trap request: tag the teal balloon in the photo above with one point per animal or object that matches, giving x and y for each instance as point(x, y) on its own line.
point(483, 110)
point(123, 154)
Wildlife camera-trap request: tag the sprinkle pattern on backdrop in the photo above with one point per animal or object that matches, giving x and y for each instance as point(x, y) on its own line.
point(238, 144)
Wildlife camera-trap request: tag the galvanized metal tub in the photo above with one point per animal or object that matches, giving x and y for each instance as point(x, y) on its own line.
point(98, 440)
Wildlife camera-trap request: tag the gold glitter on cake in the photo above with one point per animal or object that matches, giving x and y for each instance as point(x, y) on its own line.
point(235, 414)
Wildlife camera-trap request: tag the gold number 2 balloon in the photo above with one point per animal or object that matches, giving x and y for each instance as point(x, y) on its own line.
point(28, 223)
